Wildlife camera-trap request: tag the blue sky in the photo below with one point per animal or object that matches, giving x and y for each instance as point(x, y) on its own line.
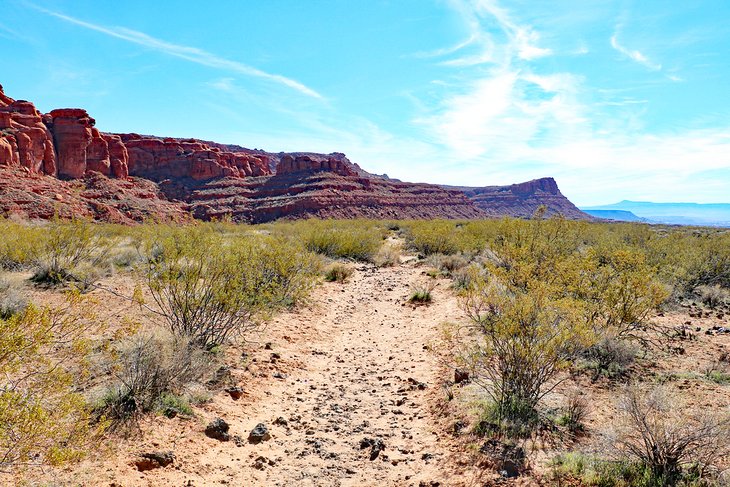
point(615, 99)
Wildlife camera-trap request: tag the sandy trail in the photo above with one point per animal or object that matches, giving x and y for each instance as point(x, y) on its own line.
point(367, 374)
point(352, 365)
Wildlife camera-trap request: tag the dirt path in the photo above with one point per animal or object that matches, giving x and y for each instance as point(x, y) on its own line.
point(350, 367)
point(366, 374)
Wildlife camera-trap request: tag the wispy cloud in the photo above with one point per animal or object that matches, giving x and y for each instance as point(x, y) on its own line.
point(448, 50)
point(188, 53)
point(12, 34)
point(634, 54)
point(521, 40)
point(514, 122)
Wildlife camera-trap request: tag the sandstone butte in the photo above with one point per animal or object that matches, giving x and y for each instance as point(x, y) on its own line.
point(59, 163)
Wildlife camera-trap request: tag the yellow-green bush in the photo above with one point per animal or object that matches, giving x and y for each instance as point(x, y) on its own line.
point(338, 239)
point(43, 418)
point(520, 340)
point(75, 251)
point(441, 237)
point(213, 288)
point(18, 245)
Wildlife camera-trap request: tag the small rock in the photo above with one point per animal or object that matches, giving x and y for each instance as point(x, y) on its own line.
point(259, 433)
point(235, 392)
point(218, 430)
point(149, 461)
point(460, 376)
point(508, 459)
point(261, 462)
point(281, 421)
point(376, 446)
point(415, 384)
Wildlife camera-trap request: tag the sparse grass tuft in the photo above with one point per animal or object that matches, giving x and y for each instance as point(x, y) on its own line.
point(388, 256)
point(151, 372)
point(574, 413)
point(421, 293)
point(337, 273)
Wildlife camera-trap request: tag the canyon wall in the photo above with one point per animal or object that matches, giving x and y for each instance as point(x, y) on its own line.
point(60, 164)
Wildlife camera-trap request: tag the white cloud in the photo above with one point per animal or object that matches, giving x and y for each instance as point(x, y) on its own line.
point(223, 84)
point(634, 55)
point(522, 41)
point(189, 53)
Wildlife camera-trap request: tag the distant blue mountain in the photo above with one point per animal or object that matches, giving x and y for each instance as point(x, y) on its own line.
point(710, 214)
point(618, 215)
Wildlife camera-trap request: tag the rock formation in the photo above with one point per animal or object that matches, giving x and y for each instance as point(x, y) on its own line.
point(325, 194)
point(158, 159)
point(25, 140)
point(523, 199)
point(60, 163)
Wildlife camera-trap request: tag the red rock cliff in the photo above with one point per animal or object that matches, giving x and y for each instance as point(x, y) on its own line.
point(25, 140)
point(159, 159)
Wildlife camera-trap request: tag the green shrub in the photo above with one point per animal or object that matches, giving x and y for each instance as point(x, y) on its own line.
point(609, 357)
point(354, 239)
point(441, 237)
point(574, 413)
point(11, 302)
point(671, 444)
point(72, 251)
point(213, 289)
point(18, 245)
point(172, 405)
point(713, 296)
point(43, 358)
point(520, 341)
point(448, 264)
point(593, 471)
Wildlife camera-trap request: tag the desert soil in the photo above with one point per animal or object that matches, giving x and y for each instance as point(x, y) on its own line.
point(353, 365)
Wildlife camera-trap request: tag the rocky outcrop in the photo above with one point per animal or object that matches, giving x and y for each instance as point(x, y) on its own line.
point(309, 162)
point(118, 156)
point(164, 158)
point(523, 199)
point(71, 128)
point(66, 143)
point(25, 140)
